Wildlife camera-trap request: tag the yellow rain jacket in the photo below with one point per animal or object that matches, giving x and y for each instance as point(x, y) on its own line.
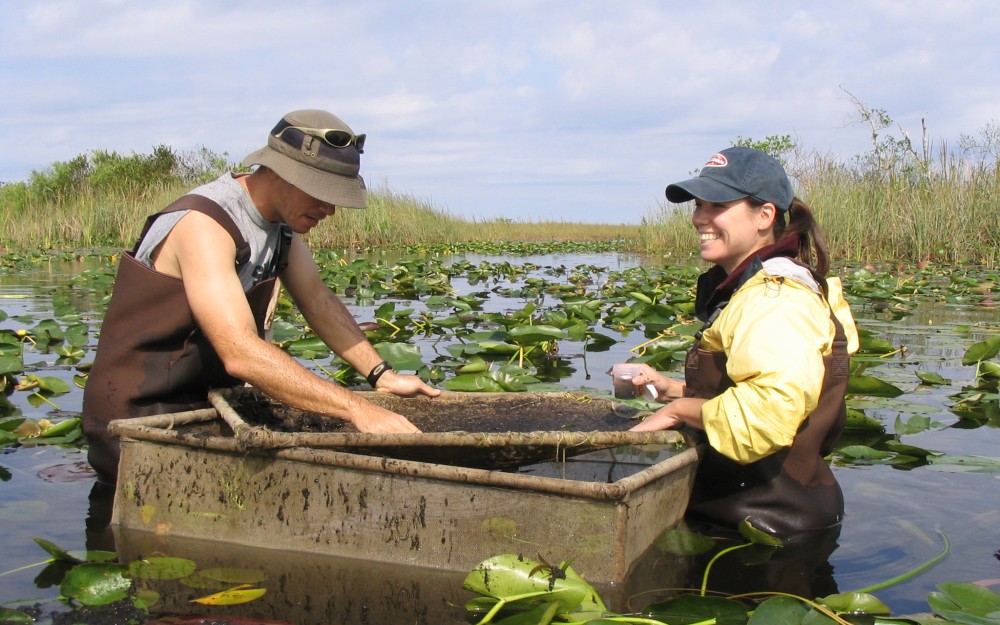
point(775, 332)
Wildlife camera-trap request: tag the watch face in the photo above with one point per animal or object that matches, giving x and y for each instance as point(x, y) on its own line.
point(377, 372)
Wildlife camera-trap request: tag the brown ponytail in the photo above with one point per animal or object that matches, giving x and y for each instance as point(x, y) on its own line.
point(802, 225)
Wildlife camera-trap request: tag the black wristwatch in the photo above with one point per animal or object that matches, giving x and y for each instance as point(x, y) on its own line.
point(377, 372)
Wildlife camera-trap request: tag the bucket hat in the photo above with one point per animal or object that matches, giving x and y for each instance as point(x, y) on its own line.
point(736, 173)
point(303, 150)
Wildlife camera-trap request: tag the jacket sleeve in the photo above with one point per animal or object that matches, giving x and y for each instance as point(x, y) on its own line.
point(775, 335)
point(842, 310)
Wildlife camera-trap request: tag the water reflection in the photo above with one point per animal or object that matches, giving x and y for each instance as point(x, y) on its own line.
point(307, 588)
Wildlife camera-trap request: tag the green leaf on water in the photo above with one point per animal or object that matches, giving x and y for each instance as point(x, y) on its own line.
point(875, 345)
point(145, 597)
point(689, 609)
point(914, 425)
point(533, 334)
point(542, 614)
point(684, 542)
point(962, 602)
point(282, 331)
point(62, 428)
point(11, 364)
point(786, 610)
point(9, 425)
point(972, 597)
point(989, 369)
point(473, 383)
point(863, 452)
point(51, 384)
point(234, 575)
point(858, 420)
point(965, 464)
point(161, 568)
point(757, 536)
point(855, 603)
point(14, 617)
point(56, 551)
point(983, 350)
point(402, 356)
point(929, 377)
point(474, 366)
point(96, 584)
point(510, 576)
point(309, 348)
point(872, 387)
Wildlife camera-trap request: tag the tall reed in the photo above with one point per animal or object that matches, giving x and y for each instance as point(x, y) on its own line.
point(393, 219)
point(944, 212)
point(948, 214)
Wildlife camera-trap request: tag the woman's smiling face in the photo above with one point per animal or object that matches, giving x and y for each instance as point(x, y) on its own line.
point(730, 232)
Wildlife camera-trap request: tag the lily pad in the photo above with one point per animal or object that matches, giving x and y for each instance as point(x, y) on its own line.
point(161, 568)
point(872, 387)
point(97, 584)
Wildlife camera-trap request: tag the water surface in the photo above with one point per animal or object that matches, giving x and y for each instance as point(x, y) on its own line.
point(893, 519)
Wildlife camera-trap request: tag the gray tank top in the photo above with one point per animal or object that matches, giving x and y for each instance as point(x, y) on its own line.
point(261, 234)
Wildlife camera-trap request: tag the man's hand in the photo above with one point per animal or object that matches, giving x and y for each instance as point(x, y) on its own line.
point(372, 419)
point(404, 385)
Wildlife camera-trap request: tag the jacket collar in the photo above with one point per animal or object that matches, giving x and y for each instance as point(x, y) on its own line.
point(715, 286)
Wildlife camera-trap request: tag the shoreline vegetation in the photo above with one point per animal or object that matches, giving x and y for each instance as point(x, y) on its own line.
point(895, 203)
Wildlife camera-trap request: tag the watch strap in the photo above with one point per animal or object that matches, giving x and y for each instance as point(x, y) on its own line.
point(377, 372)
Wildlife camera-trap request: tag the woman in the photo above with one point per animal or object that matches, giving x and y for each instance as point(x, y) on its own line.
point(766, 379)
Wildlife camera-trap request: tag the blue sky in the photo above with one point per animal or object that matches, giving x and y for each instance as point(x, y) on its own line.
point(548, 109)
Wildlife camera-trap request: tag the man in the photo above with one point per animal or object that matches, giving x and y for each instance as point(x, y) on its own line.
point(188, 309)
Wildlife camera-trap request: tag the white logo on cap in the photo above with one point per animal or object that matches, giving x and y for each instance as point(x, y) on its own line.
point(717, 160)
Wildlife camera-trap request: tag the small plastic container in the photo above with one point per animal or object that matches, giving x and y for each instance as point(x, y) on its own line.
point(621, 377)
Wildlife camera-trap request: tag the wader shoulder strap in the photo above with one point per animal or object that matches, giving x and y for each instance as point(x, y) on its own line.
point(202, 204)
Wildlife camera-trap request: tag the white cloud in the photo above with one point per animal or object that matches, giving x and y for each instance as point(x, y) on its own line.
point(492, 107)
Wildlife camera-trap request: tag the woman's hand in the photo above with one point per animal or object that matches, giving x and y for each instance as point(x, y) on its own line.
point(666, 388)
point(684, 411)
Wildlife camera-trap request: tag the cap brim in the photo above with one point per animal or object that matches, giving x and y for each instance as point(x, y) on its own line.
point(704, 189)
point(324, 186)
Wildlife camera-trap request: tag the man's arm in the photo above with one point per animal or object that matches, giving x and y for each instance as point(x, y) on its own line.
point(201, 253)
point(333, 323)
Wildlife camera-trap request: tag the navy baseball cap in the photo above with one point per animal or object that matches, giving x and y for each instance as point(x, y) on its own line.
point(734, 174)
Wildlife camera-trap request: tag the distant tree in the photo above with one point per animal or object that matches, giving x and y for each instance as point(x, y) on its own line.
point(775, 145)
point(985, 147)
point(891, 155)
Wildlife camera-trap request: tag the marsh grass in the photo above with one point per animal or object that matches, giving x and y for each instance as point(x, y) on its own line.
point(394, 218)
point(103, 199)
point(945, 214)
point(946, 211)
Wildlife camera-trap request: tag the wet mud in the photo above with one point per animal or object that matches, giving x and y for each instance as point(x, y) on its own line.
point(485, 413)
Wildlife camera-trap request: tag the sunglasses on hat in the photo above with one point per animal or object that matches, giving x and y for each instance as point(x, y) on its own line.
point(333, 137)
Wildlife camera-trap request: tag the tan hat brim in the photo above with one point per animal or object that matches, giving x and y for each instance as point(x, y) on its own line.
point(325, 186)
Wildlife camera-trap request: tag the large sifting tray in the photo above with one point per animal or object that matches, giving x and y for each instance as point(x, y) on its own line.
point(481, 430)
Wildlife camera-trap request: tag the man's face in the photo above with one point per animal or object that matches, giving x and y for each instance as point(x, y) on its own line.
point(301, 211)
